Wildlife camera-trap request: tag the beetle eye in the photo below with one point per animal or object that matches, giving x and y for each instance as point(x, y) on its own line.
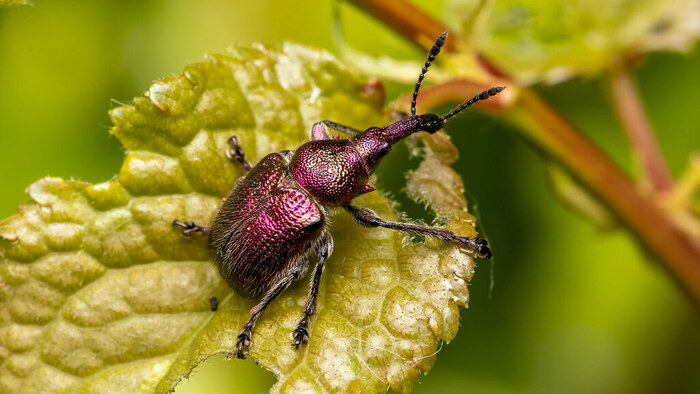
point(385, 148)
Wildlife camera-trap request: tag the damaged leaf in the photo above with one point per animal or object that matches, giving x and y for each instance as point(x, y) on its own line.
point(99, 293)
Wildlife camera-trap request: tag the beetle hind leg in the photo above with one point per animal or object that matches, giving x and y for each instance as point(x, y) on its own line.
point(244, 342)
point(300, 335)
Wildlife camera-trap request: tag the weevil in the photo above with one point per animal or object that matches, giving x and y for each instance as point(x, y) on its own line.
point(276, 215)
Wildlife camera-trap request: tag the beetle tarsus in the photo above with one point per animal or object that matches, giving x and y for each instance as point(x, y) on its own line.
point(479, 245)
point(235, 152)
point(482, 247)
point(300, 336)
point(190, 227)
point(242, 345)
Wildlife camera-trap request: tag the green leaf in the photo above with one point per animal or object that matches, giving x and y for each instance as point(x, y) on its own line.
point(551, 41)
point(10, 3)
point(99, 293)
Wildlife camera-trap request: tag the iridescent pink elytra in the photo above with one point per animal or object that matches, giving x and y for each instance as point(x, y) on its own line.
point(275, 216)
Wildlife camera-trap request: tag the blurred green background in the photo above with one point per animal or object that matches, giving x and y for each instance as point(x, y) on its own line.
point(573, 309)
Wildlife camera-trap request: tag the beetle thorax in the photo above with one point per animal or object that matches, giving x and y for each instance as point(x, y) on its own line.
point(331, 171)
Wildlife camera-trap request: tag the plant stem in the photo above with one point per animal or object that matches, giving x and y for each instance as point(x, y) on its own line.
point(455, 90)
point(639, 132)
point(408, 20)
point(679, 252)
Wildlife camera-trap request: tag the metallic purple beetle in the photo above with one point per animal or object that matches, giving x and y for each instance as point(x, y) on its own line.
point(276, 215)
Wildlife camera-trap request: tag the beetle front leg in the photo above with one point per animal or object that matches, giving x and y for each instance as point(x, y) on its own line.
point(368, 218)
point(300, 335)
point(190, 227)
point(244, 341)
point(319, 131)
point(236, 153)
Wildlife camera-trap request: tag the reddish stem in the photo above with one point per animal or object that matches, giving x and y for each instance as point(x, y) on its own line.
point(454, 91)
point(555, 136)
point(639, 132)
point(408, 20)
point(678, 251)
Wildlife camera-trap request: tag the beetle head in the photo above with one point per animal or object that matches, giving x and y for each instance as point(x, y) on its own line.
point(376, 142)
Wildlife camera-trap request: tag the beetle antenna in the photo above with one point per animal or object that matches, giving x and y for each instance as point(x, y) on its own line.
point(481, 96)
point(431, 56)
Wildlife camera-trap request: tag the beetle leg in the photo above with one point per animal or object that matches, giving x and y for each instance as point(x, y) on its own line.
point(319, 131)
point(190, 228)
point(236, 153)
point(300, 335)
point(342, 128)
point(244, 342)
point(367, 218)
